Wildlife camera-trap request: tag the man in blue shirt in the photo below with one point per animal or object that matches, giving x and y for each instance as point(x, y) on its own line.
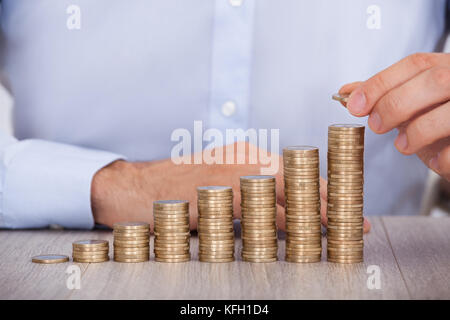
point(100, 87)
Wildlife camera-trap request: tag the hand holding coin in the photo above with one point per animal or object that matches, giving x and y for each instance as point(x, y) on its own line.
point(412, 95)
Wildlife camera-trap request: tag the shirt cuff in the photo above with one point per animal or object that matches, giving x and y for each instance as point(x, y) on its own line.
point(47, 183)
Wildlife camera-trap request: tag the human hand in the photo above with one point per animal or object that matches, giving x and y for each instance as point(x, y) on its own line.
point(125, 191)
point(411, 95)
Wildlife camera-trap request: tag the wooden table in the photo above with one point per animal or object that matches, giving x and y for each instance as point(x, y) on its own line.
point(413, 254)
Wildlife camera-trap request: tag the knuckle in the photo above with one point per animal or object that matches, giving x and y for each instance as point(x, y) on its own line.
point(381, 83)
point(418, 133)
point(441, 76)
point(392, 106)
point(421, 60)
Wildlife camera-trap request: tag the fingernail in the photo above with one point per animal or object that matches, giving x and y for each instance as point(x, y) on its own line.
point(434, 163)
point(356, 101)
point(402, 141)
point(375, 121)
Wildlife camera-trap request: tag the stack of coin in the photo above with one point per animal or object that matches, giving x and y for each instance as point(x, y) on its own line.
point(131, 242)
point(302, 194)
point(345, 193)
point(89, 251)
point(259, 210)
point(215, 224)
point(172, 234)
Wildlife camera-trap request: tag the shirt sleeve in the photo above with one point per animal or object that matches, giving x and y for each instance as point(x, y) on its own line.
point(44, 183)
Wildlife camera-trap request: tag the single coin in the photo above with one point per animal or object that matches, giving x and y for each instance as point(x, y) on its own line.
point(295, 259)
point(91, 243)
point(131, 225)
point(131, 260)
point(90, 254)
point(259, 260)
point(215, 260)
point(163, 255)
point(50, 258)
point(90, 249)
point(81, 260)
point(172, 260)
point(341, 98)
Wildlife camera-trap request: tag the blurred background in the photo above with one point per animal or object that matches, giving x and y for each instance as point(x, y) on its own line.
point(435, 201)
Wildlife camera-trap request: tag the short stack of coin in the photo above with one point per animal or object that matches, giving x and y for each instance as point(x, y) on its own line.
point(90, 251)
point(215, 224)
point(172, 234)
point(345, 193)
point(131, 242)
point(302, 194)
point(259, 210)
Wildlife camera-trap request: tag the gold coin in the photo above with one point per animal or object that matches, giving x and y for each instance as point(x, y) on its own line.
point(218, 253)
point(355, 255)
point(259, 238)
point(249, 247)
point(131, 260)
point(259, 260)
point(90, 260)
point(139, 239)
point(90, 243)
point(215, 260)
point(257, 179)
point(145, 234)
point(132, 249)
point(50, 258)
point(131, 225)
point(89, 253)
point(90, 249)
point(295, 259)
point(224, 219)
point(186, 255)
point(172, 260)
point(252, 189)
point(171, 212)
point(343, 98)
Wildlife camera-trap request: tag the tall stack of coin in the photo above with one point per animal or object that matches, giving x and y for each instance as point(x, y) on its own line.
point(259, 228)
point(90, 251)
point(172, 234)
point(215, 224)
point(302, 194)
point(345, 193)
point(131, 242)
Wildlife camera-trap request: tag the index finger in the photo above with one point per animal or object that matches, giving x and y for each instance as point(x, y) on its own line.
point(364, 97)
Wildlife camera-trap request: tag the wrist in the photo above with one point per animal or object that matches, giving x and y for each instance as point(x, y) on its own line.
point(107, 189)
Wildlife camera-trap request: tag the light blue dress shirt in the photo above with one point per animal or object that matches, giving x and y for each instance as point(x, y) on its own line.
point(137, 70)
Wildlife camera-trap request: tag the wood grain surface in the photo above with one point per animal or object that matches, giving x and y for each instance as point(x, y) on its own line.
point(421, 247)
point(413, 255)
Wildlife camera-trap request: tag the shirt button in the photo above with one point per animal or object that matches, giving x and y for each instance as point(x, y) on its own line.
point(228, 108)
point(236, 3)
